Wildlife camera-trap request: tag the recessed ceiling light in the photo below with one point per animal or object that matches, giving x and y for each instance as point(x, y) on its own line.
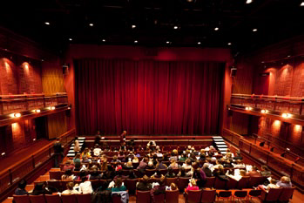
point(288, 56)
point(263, 62)
point(248, 1)
point(216, 29)
point(133, 26)
point(42, 59)
point(167, 42)
point(47, 23)
point(229, 43)
point(91, 24)
point(198, 43)
point(302, 3)
point(70, 39)
point(175, 27)
point(103, 40)
point(254, 30)
point(135, 41)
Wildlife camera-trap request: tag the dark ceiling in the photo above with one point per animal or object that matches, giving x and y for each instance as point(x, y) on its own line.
point(274, 20)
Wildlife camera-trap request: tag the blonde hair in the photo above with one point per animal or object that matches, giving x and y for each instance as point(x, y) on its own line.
point(173, 186)
point(193, 182)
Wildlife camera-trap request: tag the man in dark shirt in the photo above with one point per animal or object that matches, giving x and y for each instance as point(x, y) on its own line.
point(144, 184)
point(58, 151)
point(97, 138)
point(21, 188)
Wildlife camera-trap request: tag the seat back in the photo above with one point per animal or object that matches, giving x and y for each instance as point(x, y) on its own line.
point(131, 185)
point(273, 195)
point(286, 194)
point(68, 198)
point(163, 171)
point(171, 180)
point(243, 183)
point(219, 184)
point(52, 199)
point(240, 194)
point(84, 198)
point(255, 193)
point(55, 175)
point(37, 198)
point(208, 196)
point(210, 182)
point(143, 196)
point(116, 198)
point(255, 181)
point(159, 198)
point(194, 196)
point(231, 184)
point(56, 184)
point(182, 183)
point(21, 198)
point(172, 196)
point(150, 172)
point(138, 173)
point(225, 194)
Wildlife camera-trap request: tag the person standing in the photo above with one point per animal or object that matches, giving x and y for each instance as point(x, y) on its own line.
point(123, 137)
point(76, 146)
point(58, 151)
point(97, 138)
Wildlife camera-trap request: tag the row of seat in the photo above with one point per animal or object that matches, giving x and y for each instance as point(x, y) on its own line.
point(181, 182)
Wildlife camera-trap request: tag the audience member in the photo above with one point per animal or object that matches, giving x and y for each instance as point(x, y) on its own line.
point(70, 189)
point(265, 172)
point(21, 188)
point(40, 189)
point(68, 165)
point(85, 187)
point(58, 152)
point(284, 182)
point(68, 176)
point(118, 186)
point(192, 185)
point(144, 184)
point(254, 172)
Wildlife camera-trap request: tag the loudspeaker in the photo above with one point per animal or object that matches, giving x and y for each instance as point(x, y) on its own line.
point(65, 69)
point(233, 71)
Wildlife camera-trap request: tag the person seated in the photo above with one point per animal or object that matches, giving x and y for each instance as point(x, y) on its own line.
point(40, 189)
point(192, 157)
point(170, 173)
point(85, 187)
point(151, 145)
point(238, 156)
point(157, 174)
point(220, 173)
point(68, 165)
point(95, 174)
point(97, 138)
point(272, 184)
point(200, 177)
point(192, 186)
point(160, 165)
point(254, 172)
point(202, 157)
point(118, 174)
point(238, 164)
point(128, 165)
point(284, 182)
point(81, 175)
point(70, 189)
point(144, 163)
point(174, 155)
point(182, 173)
point(182, 157)
point(143, 184)
point(123, 147)
point(135, 159)
point(97, 150)
point(173, 164)
point(228, 156)
point(158, 189)
point(104, 164)
point(115, 159)
point(68, 176)
point(265, 172)
point(158, 152)
point(118, 186)
point(172, 187)
point(227, 164)
point(207, 170)
point(21, 188)
point(77, 159)
point(187, 165)
point(166, 157)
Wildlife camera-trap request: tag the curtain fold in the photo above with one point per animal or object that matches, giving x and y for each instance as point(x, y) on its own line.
point(148, 97)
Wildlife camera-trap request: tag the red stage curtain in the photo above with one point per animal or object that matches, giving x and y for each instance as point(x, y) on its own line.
point(148, 97)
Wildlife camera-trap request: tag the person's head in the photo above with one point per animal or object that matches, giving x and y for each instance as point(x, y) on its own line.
point(22, 184)
point(77, 156)
point(194, 165)
point(273, 181)
point(70, 185)
point(174, 152)
point(39, 186)
point(285, 179)
point(145, 179)
point(150, 164)
point(114, 158)
point(96, 146)
point(264, 168)
point(118, 182)
point(84, 178)
point(98, 132)
point(188, 161)
point(162, 180)
point(193, 182)
point(124, 132)
point(173, 161)
point(146, 159)
point(206, 165)
point(68, 172)
point(82, 174)
point(76, 138)
point(228, 155)
point(129, 164)
point(173, 186)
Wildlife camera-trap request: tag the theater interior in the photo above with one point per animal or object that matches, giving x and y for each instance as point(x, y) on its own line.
point(217, 85)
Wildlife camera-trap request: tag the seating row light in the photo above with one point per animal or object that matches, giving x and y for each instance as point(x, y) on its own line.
point(263, 111)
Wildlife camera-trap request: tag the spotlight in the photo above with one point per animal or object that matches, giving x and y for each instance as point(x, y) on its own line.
point(262, 144)
point(70, 39)
point(34, 139)
point(288, 56)
point(175, 27)
point(3, 153)
point(229, 44)
point(37, 111)
point(216, 29)
point(248, 108)
point(254, 30)
point(248, 1)
point(47, 23)
point(199, 43)
point(91, 24)
point(272, 149)
point(69, 108)
point(263, 111)
point(287, 149)
point(133, 26)
point(302, 3)
point(135, 41)
point(263, 62)
point(284, 115)
point(167, 42)
point(103, 40)
point(12, 115)
point(53, 108)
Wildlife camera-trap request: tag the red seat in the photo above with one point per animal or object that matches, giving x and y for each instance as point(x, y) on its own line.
point(163, 171)
point(131, 185)
point(273, 195)
point(21, 198)
point(56, 184)
point(115, 199)
point(231, 184)
point(208, 196)
point(171, 180)
point(240, 195)
point(255, 181)
point(159, 198)
point(254, 193)
point(286, 194)
point(209, 182)
point(37, 199)
point(193, 196)
point(243, 183)
point(143, 196)
point(53, 199)
point(150, 172)
point(182, 183)
point(220, 184)
point(224, 195)
point(55, 175)
point(83, 198)
point(172, 196)
point(68, 198)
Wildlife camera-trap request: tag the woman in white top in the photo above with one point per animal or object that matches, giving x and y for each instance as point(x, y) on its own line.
point(86, 186)
point(70, 189)
point(187, 164)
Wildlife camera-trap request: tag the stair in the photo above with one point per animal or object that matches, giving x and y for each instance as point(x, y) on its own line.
point(220, 144)
point(71, 152)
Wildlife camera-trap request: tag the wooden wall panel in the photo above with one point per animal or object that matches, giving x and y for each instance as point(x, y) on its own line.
point(243, 81)
point(57, 124)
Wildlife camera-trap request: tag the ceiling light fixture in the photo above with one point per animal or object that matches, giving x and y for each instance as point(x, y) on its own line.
point(47, 23)
point(229, 43)
point(133, 26)
point(103, 40)
point(167, 42)
point(254, 30)
point(248, 1)
point(91, 24)
point(70, 39)
point(302, 3)
point(175, 27)
point(135, 41)
point(199, 43)
point(216, 29)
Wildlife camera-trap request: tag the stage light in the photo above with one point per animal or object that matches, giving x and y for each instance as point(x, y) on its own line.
point(288, 56)
point(34, 139)
point(254, 30)
point(12, 115)
point(175, 27)
point(248, 1)
point(91, 24)
point(216, 29)
point(263, 111)
point(302, 3)
point(69, 108)
point(199, 43)
point(47, 23)
point(135, 41)
point(287, 149)
point(103, 40)
point(263, 62)
point(37, 111)
point(133, 26)
point(70, 39)
point(229, 44)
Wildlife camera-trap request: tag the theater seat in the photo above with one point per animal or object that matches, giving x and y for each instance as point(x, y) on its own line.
point(273, 195)
point(210, 182)
point(170, 180)
point(220, 184)
point(131, 185)
point(286, 194)
point(68, 198)
point(208, 196)
point(172, 196)
point(143, 196)
point(224, 195)
point(84, 198)
point(182, 183)
point(193, 196)
point(239, 195)
point(37, 199)
point(21, 198)
point(52, 199)
point(159, 198)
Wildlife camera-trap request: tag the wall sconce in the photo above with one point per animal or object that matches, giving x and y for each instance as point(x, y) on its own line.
point(286, 115)
point(264, 111)
point(248, 108)
point(36, 111)
point(15, 115)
